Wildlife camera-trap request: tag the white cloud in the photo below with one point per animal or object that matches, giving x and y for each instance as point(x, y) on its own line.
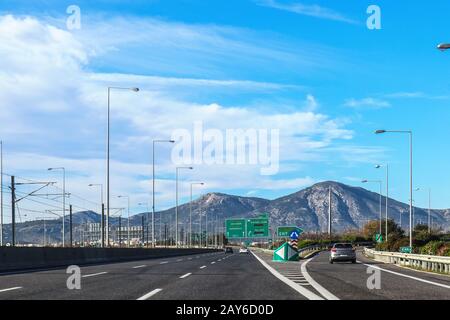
point(307, 10)
point(54, 106)
point(371, 103)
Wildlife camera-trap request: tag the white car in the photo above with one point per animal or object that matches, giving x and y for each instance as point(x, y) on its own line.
point(243, 250)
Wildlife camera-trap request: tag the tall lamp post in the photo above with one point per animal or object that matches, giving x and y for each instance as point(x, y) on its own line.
point(176, 207)
point(409, 132)
point(153, 191)
point(378, 166)
point(107, 155)
point(190, 212)
point(64, 202)
point(128, 219)
point(381, 187)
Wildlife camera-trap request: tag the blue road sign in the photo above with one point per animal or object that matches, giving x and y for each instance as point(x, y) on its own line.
point(294, 235)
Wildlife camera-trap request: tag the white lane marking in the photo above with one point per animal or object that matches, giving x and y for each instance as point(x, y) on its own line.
point(142, 266)
point(327, 294)
point(164, 262)
point(189, 258)
point(150, 294)
point(10, 289)
point(304, 292)
point(219, 260)
point(179, 260)
point(202, 267)
point(213, 262)
point(93, 274)
point(407, 276)
point(185, 275)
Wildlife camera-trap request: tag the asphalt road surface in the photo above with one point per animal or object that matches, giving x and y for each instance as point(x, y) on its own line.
point(204, 276)
point(222, 276)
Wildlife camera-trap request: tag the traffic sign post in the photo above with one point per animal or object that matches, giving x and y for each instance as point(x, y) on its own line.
point(405, 249)
point(258, 228)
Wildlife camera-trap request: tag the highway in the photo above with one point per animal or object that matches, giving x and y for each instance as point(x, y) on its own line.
point(219, 276)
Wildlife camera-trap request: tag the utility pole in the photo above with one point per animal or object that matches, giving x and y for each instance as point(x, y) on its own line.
point(143, 234)
point(13, 212)
point(1, 193)
point(329, 212)
point(70, 224)
point(120, 230)
point(103, 226)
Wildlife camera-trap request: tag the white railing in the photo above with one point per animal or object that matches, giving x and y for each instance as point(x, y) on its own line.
point(418, 261)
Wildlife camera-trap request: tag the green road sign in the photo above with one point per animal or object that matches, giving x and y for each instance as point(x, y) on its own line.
point(235, 228)
point(379, 238)
point(405, 249)
point(258, 227)
point(285, 253)
point(285, 231)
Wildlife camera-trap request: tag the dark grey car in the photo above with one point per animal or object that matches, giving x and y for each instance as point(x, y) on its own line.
point(342, 252)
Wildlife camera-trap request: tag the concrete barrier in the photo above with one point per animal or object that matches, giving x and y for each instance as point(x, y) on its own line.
point(18, 258)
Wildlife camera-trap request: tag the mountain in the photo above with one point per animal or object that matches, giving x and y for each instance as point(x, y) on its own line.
point(351, 206)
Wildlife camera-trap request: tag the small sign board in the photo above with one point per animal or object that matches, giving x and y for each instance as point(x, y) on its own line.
point(405, 249)
point(379, 237)
point(285, 231)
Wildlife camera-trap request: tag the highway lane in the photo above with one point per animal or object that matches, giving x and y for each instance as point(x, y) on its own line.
point(349, 281)
point(204, 276)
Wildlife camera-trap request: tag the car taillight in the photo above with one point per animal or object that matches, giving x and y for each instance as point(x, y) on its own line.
point(333, 250)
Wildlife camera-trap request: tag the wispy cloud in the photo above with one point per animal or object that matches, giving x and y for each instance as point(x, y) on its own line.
point(307, 10)
point(371, 103)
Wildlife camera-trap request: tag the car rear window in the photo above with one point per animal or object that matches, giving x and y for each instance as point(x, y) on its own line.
point(343, 245)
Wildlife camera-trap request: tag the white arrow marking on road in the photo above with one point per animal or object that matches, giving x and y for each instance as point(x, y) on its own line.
point(93, 274)
point(185, 276)
point(10, 289)
point(150, 294)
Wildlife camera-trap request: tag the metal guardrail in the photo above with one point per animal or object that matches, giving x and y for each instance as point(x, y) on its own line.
point(418, 261)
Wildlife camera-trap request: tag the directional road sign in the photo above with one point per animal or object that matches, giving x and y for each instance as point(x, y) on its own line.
point(285, 231)
point(235, 228)
point(285, 253)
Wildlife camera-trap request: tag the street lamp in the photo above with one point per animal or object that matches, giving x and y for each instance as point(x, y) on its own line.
point(102, 211)
point(443, 46)
point(153, 193)
point(378, 166)
point(107, 155)
point(381, 183)
point(410, 175)
point(190, 212)
point(128, 219)
point(64, 202)
point(176, 207)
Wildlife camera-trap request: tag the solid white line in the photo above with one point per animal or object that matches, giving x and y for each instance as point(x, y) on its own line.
point(150, 294)
point(202, 267)
point(327, 294)
point(93, 274)
point(407, 276)
point(10, 289)
point(304, 292)
point(137, 267)
point(185, 276)
point(164, 262)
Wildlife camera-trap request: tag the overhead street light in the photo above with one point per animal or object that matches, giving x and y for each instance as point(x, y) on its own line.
point(381, 183)
point(176, 200)
point(379, 166)
point(153, 194)
point(190, 212)
point(409, 132)
point(107, 154)
point(443, 46)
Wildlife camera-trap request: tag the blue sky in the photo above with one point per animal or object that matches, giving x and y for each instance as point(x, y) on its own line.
point(313, 63)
